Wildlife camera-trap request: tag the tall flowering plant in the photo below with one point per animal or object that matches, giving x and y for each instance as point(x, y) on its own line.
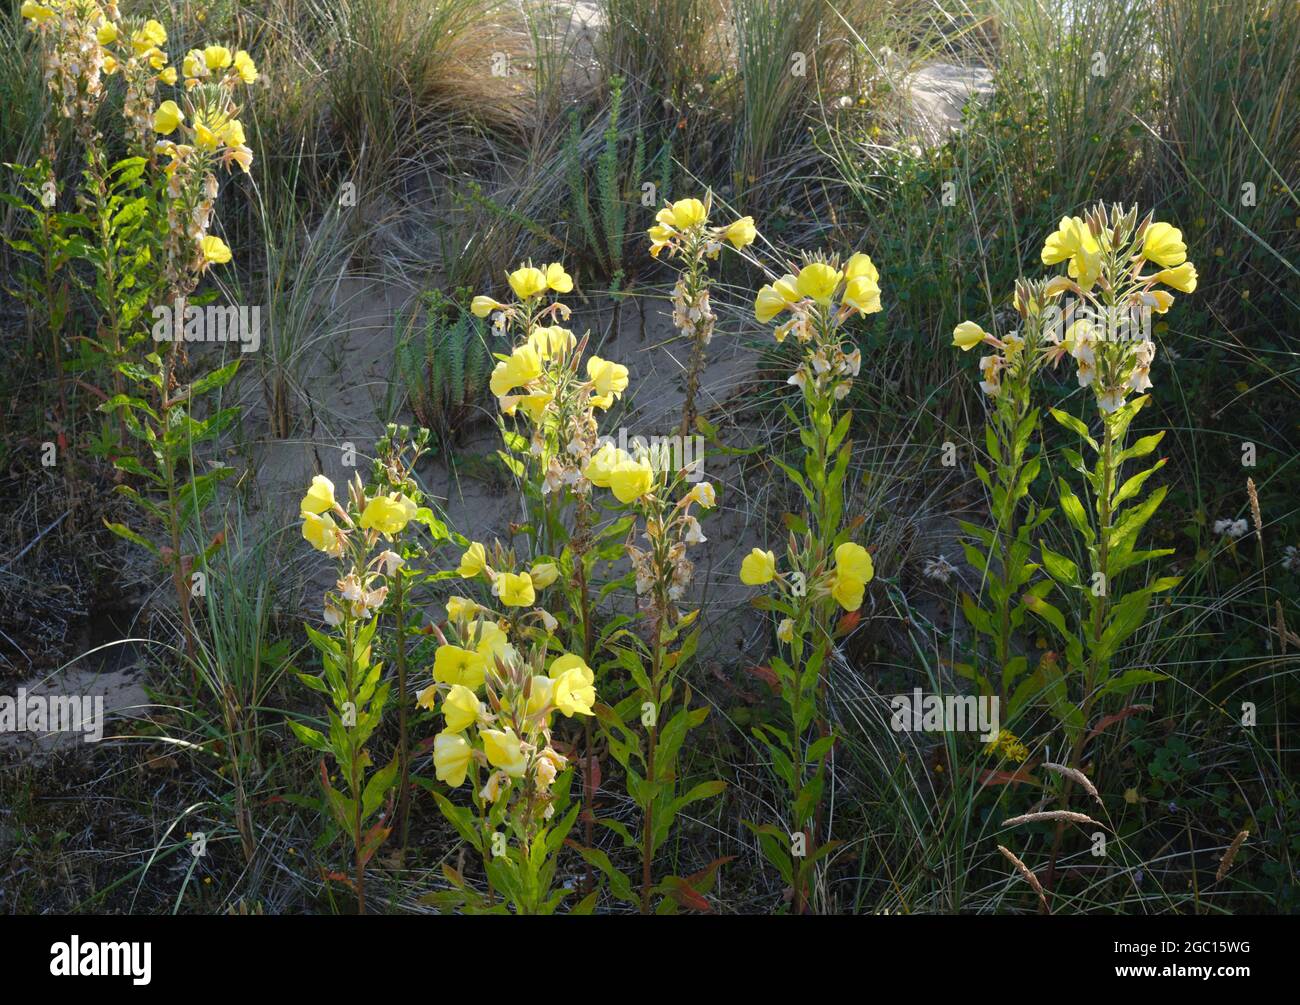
point(499, 679)
point(1119, 271)
point(647, 728)
point(824, 570)
point(358, 534)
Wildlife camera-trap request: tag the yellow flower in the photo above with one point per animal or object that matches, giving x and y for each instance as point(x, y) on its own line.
point(683, 214)
point(493, 642)
point(473, 562)
point(110, 65)
point(451, 757)
point(551, 342)
point(36, 12)
point(460, 609)
point(544, 574)
point(1063, 242)
point(659, 236)
point(454, 665)
point(630, 479)
point(847, 591)
point(319, 497)
point(768, 304)
point(534, 404)
point(216, 57)
point(860, 266)
point(503, 751)
point(515, 590)
point(785, 630)
point(527, 282)
point(167, 117)
point(107, 33)
point(1183, 278)
point(153, 33)
point(862, 293)
point(741, 233)
point(540, 692)
point(460, 708)
point(575, 691)
point(557, 279)
point(601, 465)
point(483, 306)
point(1164, 245)
point(609, 380)
point(854, 561)
point(168, 76)
point(232, 135)
point(321, 532)
point(522, 366)
point(214, 250)
point(759, 567)
point(245, 67)
point(702, 493)
point(968, 335)
point(817, 282)
point(192, 65)
point(388, 514)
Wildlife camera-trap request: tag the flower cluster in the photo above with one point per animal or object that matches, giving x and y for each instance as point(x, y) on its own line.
point(1107, 255)
point(73, 62)
point(134, 49)
point(542, 377)
point(1008, 745)
point(820, 298)
point(507, 731)
point(845, 580)
point(663, 570)
point(683, 226)
point(210, 133)
point(351, 533)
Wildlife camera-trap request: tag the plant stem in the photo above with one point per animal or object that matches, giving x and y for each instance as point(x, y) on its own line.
point(399, 613)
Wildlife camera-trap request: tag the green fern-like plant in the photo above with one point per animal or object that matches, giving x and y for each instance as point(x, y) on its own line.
point(443, 364)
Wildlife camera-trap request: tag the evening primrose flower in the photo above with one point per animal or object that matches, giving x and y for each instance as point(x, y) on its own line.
point(451, 757)
point(540, 692)
point(36, 12)
point(544, 574)
point(630, 479)
point(515, 589)
point(493, 643)
point(473, 562)
point(503, 751)
point(461, 609)
point(818, 281)
point(863, 294)
point(388, 514)
point(217, 57)
point(575, 691)
point(785, 630)
point(551, 342)
point(454, 665)
point(704, 494)
point(741, 234)
point(557, 279)
point(215, 251)
point(601, 465)
point(968, 335)
point(461, 708)
point(847, 591)
point(759, 567)
point(167, 117)
point(483, 306)
point(609, 381)
point(683, 214)
point(319, 497)
point(854, 561)
point(245, 67)
point(522, 366)
point(768, 304)
point(107, 33)
point(1182, 278)
point(321, 532)
point(527, 282)
point(1163, 244)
